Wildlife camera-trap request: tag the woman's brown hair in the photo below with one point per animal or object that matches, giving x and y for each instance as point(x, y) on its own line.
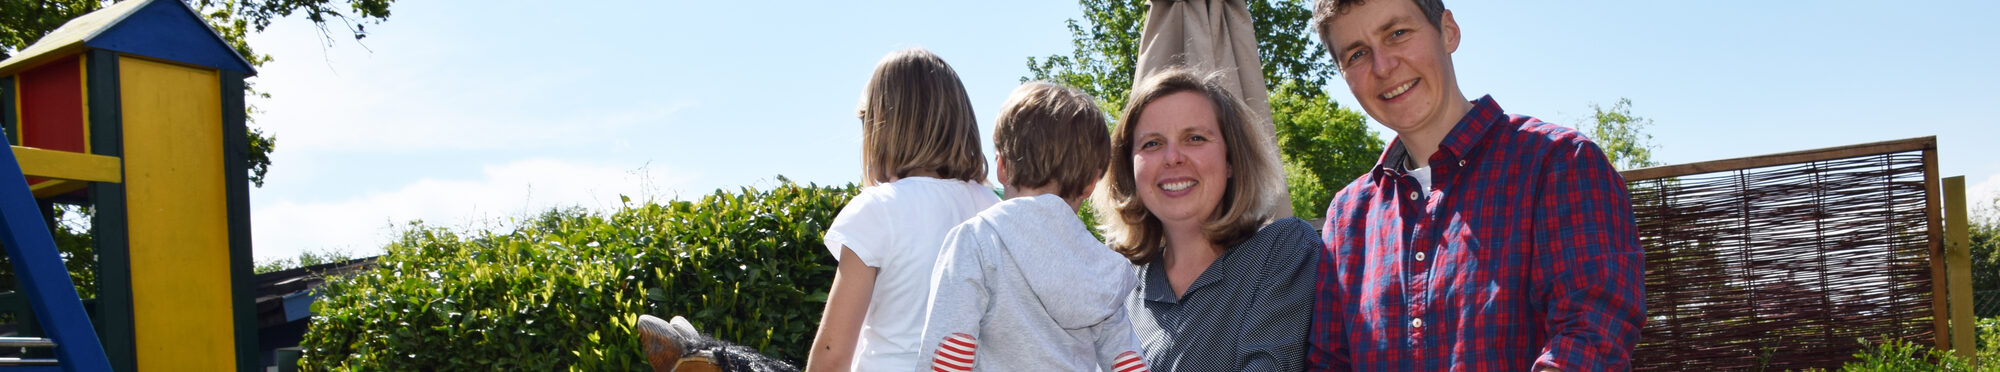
point(1132, 230)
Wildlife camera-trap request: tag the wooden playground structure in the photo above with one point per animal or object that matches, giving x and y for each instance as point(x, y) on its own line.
point(137, 111)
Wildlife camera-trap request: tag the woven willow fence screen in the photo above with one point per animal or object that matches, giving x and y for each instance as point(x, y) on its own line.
point(1782, 262)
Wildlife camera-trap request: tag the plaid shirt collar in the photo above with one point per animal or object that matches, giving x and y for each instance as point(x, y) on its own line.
point(1470, 131)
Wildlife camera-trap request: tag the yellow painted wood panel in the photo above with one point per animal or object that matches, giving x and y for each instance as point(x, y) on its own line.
point(178, 221)
point(83, 73)
point(66, 165)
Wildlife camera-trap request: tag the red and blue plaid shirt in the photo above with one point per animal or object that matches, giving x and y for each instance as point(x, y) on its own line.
point(1522, 254)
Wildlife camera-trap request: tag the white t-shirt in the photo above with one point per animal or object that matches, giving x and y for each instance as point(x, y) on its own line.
point(1423, 176)
point(898, 227)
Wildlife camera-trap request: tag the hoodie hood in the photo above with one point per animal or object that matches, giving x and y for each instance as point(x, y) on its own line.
point(1078, 280)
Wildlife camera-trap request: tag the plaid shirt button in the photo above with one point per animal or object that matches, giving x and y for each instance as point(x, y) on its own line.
point(1413, 195)
point(1420, 256)
point(1416, 323)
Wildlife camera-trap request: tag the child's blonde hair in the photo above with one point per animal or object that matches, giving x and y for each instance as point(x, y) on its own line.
point(1052, 134)
point(915, 116)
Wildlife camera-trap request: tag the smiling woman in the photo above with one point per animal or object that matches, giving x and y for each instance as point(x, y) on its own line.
point(1192, 200)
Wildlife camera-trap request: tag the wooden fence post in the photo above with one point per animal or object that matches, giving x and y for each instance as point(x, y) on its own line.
point(1958, 262)
point(1934, 216)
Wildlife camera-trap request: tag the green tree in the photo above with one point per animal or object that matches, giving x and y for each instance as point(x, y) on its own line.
point(1324, 147)
point(1336, 148)
point(1985, 233)
point(1622, 135)
point(1106, 53)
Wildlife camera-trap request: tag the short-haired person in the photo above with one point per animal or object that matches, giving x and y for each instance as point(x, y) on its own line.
point(1223, 286)
point(1481, 240)
point(1023, 286)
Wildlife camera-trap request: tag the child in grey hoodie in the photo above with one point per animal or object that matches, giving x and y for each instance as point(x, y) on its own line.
point(1023, 286)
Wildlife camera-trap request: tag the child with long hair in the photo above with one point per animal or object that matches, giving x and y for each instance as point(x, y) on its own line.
point(923, 169)
point(923, 172)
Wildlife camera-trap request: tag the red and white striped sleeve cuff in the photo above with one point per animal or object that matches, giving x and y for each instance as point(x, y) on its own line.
point(1129, 362)
point(954, 354)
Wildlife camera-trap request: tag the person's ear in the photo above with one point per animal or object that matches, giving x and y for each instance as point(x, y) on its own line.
point(1449, 27)
point(1000, 167)
point(1088, 190)
point(1091, 188)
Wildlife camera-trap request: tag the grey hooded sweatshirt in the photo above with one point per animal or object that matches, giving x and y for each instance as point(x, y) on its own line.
point(1023, 286)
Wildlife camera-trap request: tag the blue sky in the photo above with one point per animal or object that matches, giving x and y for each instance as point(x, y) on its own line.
point(465, 116)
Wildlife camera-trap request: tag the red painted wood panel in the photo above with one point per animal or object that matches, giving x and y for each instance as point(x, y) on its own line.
point(52, 106)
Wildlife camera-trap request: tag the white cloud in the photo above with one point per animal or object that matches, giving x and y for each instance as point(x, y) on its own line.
point(1984, 196)
point(362, 224)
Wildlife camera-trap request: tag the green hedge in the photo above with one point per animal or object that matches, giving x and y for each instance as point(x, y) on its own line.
point(563, 290)
point(1893, 355)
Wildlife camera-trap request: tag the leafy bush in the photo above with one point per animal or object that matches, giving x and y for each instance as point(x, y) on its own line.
point(1898, 355)
point(564, 290)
